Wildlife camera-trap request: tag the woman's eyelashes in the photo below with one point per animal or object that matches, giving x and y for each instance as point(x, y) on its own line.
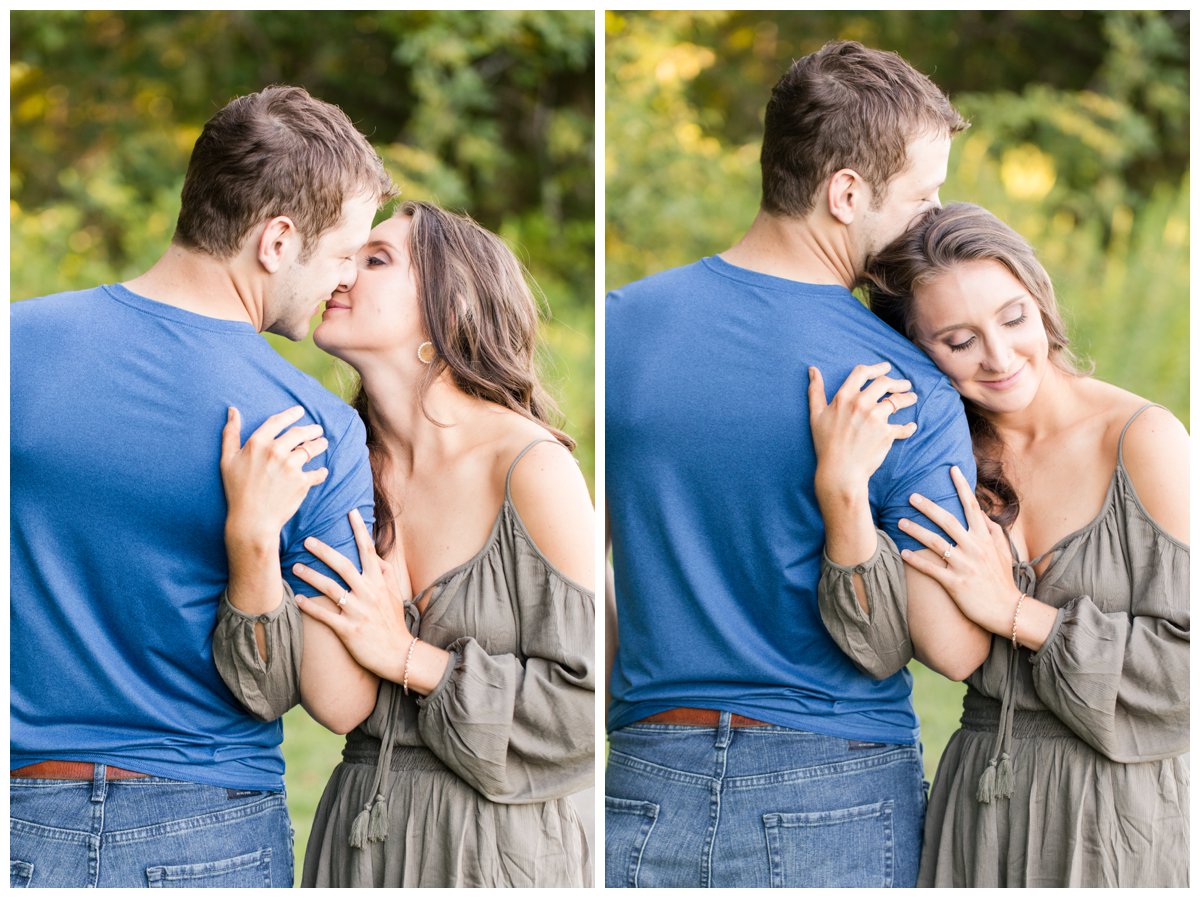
point(967, 344)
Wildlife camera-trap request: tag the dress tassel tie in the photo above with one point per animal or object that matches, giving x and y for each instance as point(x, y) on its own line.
point(371, 824)
point(999, 779)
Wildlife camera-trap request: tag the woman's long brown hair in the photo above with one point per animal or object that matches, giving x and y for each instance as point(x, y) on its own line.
point(941, 239)
point(482, 318)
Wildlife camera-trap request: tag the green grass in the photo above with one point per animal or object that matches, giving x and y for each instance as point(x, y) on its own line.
point(939, 705)
point(310, 752)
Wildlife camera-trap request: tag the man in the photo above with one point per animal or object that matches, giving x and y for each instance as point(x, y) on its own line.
point(746, 749)
point(132, 765)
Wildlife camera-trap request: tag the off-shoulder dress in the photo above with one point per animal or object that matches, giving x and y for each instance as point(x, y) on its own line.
point(1070, 768)
point(469, 785)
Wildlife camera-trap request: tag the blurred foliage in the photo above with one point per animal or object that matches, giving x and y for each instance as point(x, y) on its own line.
point(486, 112)
point(1079, 140)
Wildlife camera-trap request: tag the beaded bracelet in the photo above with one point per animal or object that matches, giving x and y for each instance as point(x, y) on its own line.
point(407, 660)
point(1016, 611)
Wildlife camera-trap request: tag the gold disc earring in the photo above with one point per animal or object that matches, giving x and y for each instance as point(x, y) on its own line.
point(426, 353)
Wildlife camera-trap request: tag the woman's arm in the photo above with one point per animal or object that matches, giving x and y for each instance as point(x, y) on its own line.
point(265, 482)
point(975, 570)
point(517, 726)
point(900, 612)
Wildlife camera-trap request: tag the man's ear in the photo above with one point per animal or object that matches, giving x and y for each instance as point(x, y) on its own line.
point(848, 195)
point(278, 240)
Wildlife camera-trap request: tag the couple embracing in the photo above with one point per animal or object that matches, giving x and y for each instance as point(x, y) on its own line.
point(203, 537)
point(804, 494)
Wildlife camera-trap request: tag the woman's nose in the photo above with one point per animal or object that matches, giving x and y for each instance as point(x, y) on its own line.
point(998, 355)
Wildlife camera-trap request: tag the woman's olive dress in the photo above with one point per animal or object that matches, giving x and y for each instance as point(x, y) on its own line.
point(1070, 768)
point(469, 785)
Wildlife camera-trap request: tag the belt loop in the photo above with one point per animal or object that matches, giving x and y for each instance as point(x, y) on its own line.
point(99, 783)
point(724, 729)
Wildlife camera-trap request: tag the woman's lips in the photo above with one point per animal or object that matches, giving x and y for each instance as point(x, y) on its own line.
point(1006, 382)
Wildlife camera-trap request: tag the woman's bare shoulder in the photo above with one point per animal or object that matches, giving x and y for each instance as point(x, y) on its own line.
point(550, 495)
point(1154, 451)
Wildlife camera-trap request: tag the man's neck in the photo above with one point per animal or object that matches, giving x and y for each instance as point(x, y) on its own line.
point(795, 249)
point(200, 283)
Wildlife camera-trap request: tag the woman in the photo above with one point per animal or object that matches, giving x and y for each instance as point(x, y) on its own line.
point(469, 616)
point(1068, 769)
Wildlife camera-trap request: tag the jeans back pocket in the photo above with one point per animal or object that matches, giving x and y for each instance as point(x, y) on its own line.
point(245, 871)
point(846, 848)
point(627, 827)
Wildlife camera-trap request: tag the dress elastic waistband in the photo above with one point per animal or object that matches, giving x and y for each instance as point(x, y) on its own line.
point(363, 749)
point(982, 714)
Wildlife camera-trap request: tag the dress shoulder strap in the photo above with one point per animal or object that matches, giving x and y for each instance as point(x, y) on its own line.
point(1124, 430)
point(520, 455)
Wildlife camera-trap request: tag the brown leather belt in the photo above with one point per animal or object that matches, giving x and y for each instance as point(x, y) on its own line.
point(72, 770)
point(700, 717)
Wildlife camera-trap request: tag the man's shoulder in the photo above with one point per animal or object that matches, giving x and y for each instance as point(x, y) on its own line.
point(323, 405)
point(661, 283)
point(46, 307)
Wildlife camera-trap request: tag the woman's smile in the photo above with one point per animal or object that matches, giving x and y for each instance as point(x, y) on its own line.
point(1004, 383)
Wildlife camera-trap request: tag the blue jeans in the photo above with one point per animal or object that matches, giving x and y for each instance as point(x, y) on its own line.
point(148, 831)
point(759, 806)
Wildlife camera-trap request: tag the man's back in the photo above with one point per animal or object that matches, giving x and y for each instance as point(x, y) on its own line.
point(717, 537)
point(118, 555)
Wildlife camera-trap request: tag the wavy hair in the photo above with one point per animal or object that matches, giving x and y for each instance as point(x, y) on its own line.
point(481, 315)
point(938, 241)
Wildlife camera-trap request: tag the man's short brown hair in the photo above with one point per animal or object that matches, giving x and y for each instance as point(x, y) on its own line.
point(280, 151)
point(845, 106)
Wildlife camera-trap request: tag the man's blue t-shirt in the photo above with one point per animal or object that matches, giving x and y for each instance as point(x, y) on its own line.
point(709, 467)
point(117, 545)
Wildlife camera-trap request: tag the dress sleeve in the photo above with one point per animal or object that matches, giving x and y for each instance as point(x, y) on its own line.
point(878, 643)
point(519, 728)
point(1120, 680)
point(267, 689)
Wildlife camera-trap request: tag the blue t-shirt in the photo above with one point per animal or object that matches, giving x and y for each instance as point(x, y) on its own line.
point(709, 466)
point(117, 544)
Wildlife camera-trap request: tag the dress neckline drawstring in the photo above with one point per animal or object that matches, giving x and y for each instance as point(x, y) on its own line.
point(998, 780)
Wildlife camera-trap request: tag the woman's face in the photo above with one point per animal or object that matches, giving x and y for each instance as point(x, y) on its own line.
point(380, 313)
point(984, 331)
